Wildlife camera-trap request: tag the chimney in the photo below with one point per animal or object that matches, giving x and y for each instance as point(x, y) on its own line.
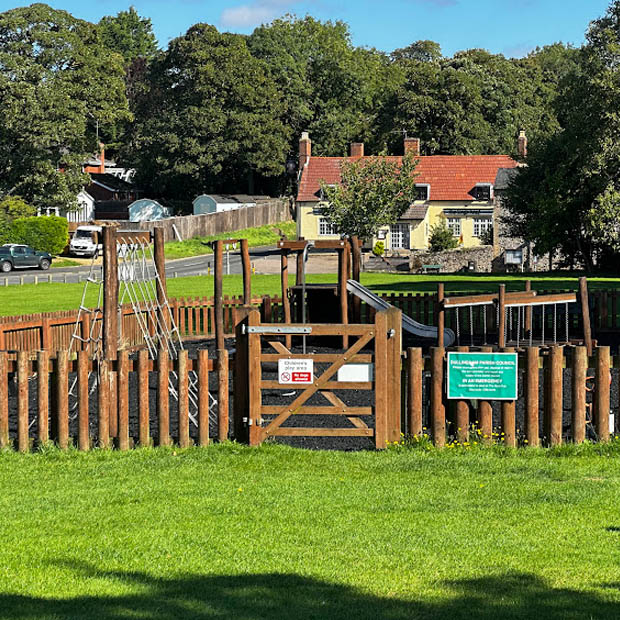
point(522, 144)
point(412, 145)
point(357, 149)
point(102, 158)
point(305, 149)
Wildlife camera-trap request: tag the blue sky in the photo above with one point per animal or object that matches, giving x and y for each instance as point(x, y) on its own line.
point(511, 27)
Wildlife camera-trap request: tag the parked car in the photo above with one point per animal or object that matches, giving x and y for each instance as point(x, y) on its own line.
point(15, 256)
point(86, 241)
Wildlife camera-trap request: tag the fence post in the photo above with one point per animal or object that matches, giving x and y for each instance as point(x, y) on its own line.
point(217, 295)
point(163, 403)
point(42, 396)
point(532, 383)
point(394, 344)
point(580, 369)
point(247, 272)
point(103, 404)
point(203, 397)
point(222, 391)
point(438, 412)
point(462, 413)
point(485, 412)
point(62, 399)
point(23, 364)
point(415, 368)
point(501, 327)
point(254, 388)
point(4, 400)
point(342, 290)
point(585, 313)
point(601, 394)
point(554, 394)
point(183, 405)
point(441, 315)
point(143, 398)
point(122, 383)
point(508, 416)
point(82, 375)
point(240, 379)
point(381, 380)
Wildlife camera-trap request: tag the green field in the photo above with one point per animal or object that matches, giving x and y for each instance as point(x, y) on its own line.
point(274, 532)
point(45, 297)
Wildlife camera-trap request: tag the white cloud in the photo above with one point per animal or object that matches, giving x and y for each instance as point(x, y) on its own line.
point(255, 13)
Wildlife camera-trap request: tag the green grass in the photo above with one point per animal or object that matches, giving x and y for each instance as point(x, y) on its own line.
point(261, 235)
point(30, 298)
point(233, 532)
point(65, 262)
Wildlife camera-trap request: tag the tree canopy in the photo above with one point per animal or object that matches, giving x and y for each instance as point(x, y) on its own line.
point(129, 35)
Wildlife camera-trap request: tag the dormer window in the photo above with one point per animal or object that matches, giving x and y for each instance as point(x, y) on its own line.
point(483, 192)
point(423, 191)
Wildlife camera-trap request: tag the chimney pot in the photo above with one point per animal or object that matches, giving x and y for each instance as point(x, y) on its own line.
point(305, 148)
point(357, 149)
point(522, 144)
point(102, 158)
point(412, 145)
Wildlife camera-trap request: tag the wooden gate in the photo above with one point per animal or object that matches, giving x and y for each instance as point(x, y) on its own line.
point(260, 347)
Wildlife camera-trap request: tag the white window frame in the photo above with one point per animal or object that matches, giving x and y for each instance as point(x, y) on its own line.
point(454, 225)
point(400, 236)
point(490, 186)
point(326, 228)
point(428, 191)
point(482, 225)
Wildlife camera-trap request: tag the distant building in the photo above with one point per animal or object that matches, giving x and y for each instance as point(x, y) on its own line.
point(216, 203)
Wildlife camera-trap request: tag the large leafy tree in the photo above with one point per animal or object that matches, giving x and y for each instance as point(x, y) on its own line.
point(128, 34)
point(55, 76)
point(568, 197)
point(212, 117)
point(373, 192)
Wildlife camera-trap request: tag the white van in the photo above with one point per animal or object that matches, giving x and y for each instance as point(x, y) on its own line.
point(86, 241)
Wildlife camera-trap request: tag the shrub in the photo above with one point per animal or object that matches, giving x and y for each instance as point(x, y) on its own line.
point(486, 238)
point(45, 233)
point(379, 249)
point(441, 238)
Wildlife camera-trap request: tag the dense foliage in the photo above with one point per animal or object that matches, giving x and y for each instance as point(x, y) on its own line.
point(45, 234)
point(441, 238)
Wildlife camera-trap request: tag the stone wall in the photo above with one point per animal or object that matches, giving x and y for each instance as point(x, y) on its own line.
point(453, 260)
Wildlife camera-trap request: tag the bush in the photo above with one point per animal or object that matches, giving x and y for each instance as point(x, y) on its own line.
point(45, 233)
point(486, 238)
point(379, 249)
point(441, 238)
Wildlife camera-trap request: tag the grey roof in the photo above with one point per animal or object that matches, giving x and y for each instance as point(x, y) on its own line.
point(415, 212)
point(504, 177)
point(111, 182)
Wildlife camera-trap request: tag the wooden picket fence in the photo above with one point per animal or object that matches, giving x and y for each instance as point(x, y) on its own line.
point(36, 405)
point(581, 411)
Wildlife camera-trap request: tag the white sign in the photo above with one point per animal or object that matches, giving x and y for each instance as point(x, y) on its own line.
point(356, 373)
point(295, 371)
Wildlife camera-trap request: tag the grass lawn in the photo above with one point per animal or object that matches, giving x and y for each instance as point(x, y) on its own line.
point(273, 532)
point(45, 297)
point(261, 235)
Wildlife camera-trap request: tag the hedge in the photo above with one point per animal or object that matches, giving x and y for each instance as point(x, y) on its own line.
point(47, 233)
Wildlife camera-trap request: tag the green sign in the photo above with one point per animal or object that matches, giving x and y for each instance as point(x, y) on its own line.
point(483, 376)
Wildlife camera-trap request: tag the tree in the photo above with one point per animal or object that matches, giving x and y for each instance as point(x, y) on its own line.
point(129, 35)
point(373, 192)
point(54, 73)
point(441, 238)
point(568, 197)
point(422, 51)
point(212, 119)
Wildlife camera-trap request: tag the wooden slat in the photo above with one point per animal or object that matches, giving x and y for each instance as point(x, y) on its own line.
point(319, 432)
point(509, 417)
point(580, 365)
point(329, 385)
point(531, 397)
point(222, 391)
point(183, 406)
point(103, 405)
point(357, 422)
point(62, 400)
point(23, 370)
point(123, 400)
point(318, 410)
point(415, 366)
point(43, 432)
point(143, 399)
point(163, 404)
point(319, 357)
point(203, 397)
point(4, 400)
point(602, 394)
point(82, 394)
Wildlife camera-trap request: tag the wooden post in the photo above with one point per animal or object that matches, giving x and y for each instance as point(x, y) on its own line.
point(23, 363)
point(122, 383)
point(254, 386)
point(438, 412)
point(110, 294)
point(601, 394)
point(509, 427)
point(103, 405)
point(163, 403)
point(501, 327)
point(356, 256)
point(83, 428)
point(554, 394)
point(342, 291)
point(415, 368)
point(462, 413)
point(159, 258)
point(441, 315)
point(42, 396)
point(485, 413)
point(580, 369)
point(585, 313)
point(381, 380)
point(183, 408)
point(240, 404)
point(394, 348)
point(4, 400)
point(299, 263)
point(203, 397)
point(62, 399)
point(247, 272)
point(144, 430)
point(286, 303)
point(222, 392)
point(532, 386)
point(528, 311)
point(217, 294)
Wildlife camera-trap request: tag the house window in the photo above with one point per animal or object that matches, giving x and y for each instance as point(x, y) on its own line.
point(454, 225)
point(399, 237)
point(326, 227)
point(422, 192)
point(482, 225)
point(482, 192)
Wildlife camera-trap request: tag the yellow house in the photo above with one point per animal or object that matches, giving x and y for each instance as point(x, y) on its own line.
point(458, 188)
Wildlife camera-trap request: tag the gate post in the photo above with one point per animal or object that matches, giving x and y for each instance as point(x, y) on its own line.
point(381, 381)
point(394, 349)
point(241, 377)
point(254, 382)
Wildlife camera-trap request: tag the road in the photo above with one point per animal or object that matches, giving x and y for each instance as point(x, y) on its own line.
point(193, 266)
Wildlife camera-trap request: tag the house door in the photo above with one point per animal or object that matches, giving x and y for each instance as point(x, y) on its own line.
point(399, 237)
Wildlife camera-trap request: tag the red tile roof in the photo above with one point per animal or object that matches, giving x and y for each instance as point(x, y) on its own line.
point(451, 177)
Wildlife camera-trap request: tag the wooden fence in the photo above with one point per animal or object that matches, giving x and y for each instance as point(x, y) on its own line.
point(563, 396)
point(37, 404)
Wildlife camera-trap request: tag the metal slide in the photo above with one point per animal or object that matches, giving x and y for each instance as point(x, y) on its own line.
point(409, 325)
